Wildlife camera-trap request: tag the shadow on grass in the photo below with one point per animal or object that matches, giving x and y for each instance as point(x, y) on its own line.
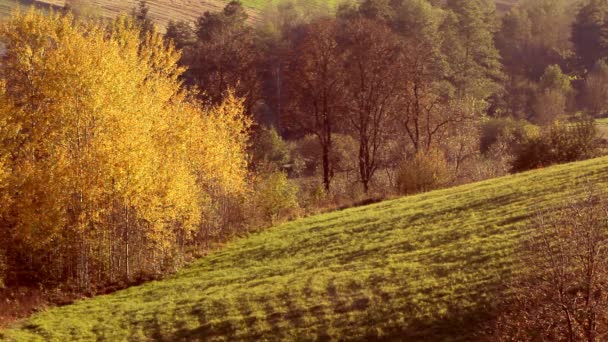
point(281, 323)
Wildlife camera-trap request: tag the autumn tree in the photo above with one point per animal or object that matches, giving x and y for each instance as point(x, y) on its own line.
point(224, 56)
point(432, 117)
point(422, 116)
point(107, 162)
point(527, 48)
point(180, 33)
point(269, 152)
point(373, 58)
point(315, 83)
point(281, 25)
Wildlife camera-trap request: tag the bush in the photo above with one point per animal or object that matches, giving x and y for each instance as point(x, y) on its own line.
point(508, 132)
point(426, 171)
point(275, 197)
point(269, 150)
point(562, 142)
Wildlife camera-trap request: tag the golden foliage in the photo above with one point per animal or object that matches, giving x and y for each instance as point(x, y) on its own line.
point(426, 171)
point(109, 148)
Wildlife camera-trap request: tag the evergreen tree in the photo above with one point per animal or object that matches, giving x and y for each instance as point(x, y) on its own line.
point(180, 33)
point(141, 15)
point(526, 44)
point(596, 90)
point(554, 91)
point(469, 44)
point(380, 10)
point(590, 33)
point(224, 56)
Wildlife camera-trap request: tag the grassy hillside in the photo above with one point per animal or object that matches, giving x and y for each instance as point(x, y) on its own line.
point(8, 6)
point(161, 10)
point(423, 267)
point(165, 10)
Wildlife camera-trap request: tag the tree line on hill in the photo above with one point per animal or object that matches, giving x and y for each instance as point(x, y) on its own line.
point(124, 151)
point(387, 87)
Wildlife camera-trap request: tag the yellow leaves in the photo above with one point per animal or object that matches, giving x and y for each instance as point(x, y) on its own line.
point(225, 163)
point(107, 136)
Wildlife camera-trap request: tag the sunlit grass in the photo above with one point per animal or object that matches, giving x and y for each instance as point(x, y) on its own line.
point(424, 267)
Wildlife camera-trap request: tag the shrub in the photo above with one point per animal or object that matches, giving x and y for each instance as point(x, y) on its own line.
point(269, 150)
point(508, 132)
point(275, 196)
point(424, 172)
point(562, 142)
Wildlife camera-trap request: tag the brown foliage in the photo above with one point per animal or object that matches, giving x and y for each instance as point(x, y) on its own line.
point(315, 85)
point(373, 60)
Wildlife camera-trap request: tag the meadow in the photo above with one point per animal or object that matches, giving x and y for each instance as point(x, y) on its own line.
point(424, 267)
point(164, 10)
point(161, 10)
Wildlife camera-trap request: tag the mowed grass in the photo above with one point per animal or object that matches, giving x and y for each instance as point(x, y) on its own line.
point(164, 10)
point(425, 267)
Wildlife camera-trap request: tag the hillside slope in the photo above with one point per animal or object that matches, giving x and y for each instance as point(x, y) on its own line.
point(164, 10)
point(422, 267)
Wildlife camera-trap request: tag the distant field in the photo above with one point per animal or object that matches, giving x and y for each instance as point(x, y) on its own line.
point(165, 10)
point(419, 268)
point(504, 5)
point(161, 10)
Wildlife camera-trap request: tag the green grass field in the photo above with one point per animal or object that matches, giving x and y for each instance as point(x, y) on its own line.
point(160, 10)
point(425, 267)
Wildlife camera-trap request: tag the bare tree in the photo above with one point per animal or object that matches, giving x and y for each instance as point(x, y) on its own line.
point(316, 88)
point(564, 294)
point(373, 57)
